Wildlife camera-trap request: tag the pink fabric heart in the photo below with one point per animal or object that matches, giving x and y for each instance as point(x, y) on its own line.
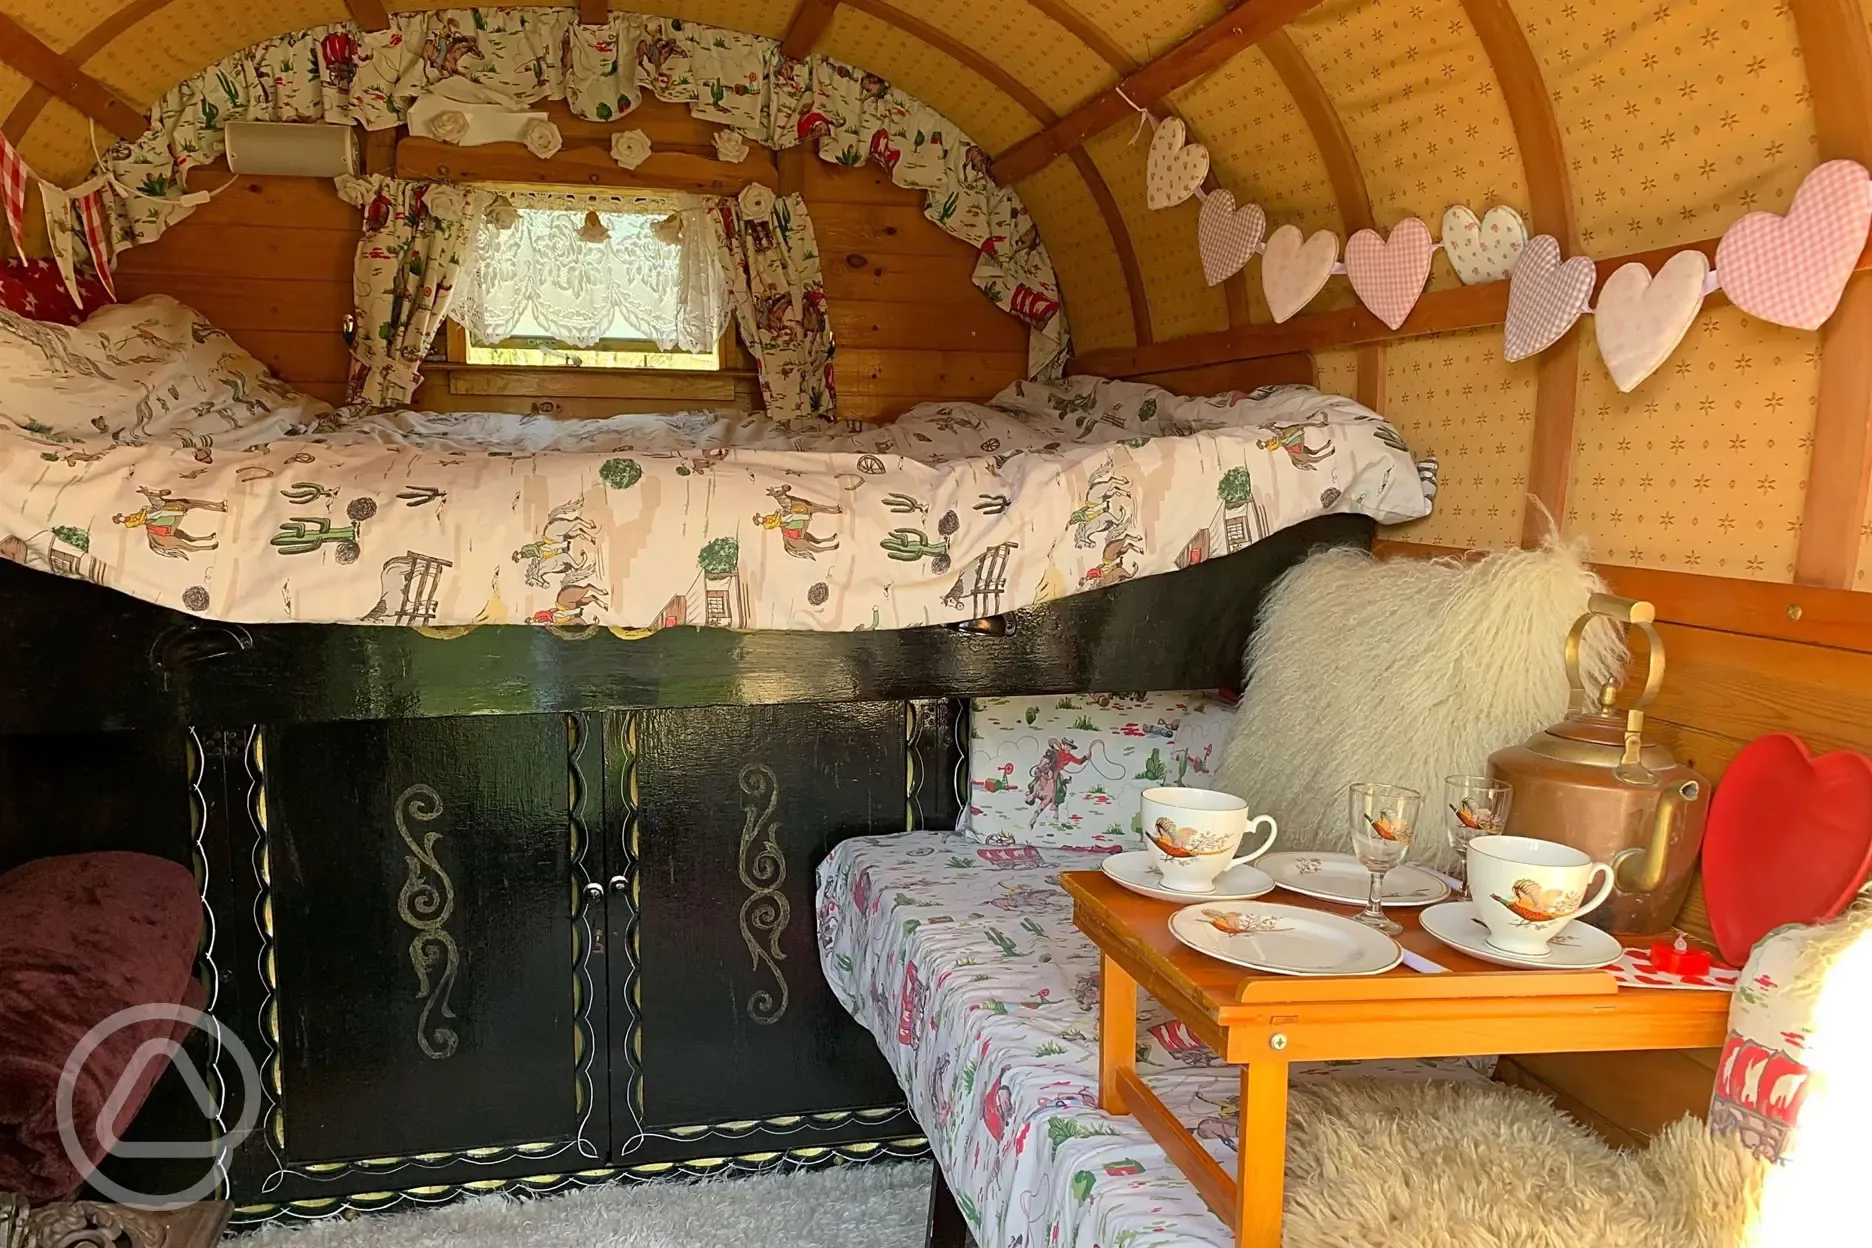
point(1226, 236)
point(1389, 274)
point(1792, 270)
point(1545, 297)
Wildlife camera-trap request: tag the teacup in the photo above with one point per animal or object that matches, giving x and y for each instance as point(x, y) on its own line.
point(1527, 890)
point(1193, 835)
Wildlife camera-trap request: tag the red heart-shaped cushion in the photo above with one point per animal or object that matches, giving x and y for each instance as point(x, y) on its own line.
point(1789, 840)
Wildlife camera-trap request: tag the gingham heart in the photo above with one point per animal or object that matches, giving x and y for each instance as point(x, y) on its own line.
point(1545, 297)
point(1389, 274)
point(1173, 171)
point(1485, 250)
point(1640, 319)
point(1293, 271)
point(1792, 270)
point(1226, 235)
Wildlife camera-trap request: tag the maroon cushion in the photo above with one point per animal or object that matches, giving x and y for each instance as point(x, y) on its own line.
point(82, 937)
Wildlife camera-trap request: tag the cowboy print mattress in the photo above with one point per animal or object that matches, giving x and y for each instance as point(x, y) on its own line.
point(962, 961)
point(144, 450)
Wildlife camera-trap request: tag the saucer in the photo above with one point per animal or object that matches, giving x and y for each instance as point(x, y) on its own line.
point(1578, 947)
point(1341, 878)
point(1137, 871)
point(1285, 940)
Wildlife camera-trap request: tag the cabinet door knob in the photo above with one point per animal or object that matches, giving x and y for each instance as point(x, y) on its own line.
point(594, 891)
point(620, 884)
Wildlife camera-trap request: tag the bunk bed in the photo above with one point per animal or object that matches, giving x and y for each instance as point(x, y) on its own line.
point(572, 866)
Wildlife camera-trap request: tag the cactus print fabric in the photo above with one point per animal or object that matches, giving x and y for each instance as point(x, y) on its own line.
point(1066, 772)
point(962, 961)
point(145, 451)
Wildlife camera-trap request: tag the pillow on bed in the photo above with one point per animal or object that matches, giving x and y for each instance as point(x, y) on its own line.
point(1066, 772)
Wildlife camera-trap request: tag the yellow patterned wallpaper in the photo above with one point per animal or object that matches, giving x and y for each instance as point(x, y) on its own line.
point(1041, 54)
point(985, 113)
point(1091, 282)
point(1164, 240)
point(1261, 150)
point(1451, 396)
point(168, 45)
point(1148, 28)
point(1418, 98)
point(1336, 372)
point(1704, 467)
point(59, 25)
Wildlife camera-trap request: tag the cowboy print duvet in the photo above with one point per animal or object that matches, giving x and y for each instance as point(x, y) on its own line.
point(146, 451)
point(962, 961)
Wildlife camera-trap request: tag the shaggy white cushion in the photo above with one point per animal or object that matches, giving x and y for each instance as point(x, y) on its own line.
point(1429, 1165)
point(1403, 672)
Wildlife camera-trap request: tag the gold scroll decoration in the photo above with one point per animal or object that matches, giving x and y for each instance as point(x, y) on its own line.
point(426, 904)
point(762, 867)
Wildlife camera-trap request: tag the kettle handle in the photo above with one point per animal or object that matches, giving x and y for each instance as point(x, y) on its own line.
point(1630, 612)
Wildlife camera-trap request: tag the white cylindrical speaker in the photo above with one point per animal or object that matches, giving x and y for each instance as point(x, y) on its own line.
point(292, 148)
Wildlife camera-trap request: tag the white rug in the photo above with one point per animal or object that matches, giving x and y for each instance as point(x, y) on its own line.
point(870, 1206)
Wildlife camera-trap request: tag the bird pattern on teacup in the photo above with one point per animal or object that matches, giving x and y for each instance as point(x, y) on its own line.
point(1178, 842)
point(1533, 904)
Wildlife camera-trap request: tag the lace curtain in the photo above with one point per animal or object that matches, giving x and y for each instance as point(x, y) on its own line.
point(539, 275)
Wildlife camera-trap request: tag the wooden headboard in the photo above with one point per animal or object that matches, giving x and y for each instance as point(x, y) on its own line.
point(1272, 370)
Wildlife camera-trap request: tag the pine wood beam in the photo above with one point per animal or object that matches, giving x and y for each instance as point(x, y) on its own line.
point(1203, 51)
point(1017, 91)
point(27, 53)
point(371, 14)
point(594, 12)
point(580, 165)
point(1342, 170)
point(1838, 59)
point(27, 110)
point(809, 23)
point(1550, 197)
point(1438, 312)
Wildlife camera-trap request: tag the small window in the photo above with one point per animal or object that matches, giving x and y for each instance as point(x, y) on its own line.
point(609, 281)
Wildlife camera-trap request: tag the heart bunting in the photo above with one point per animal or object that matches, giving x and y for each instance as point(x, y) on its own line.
point(1640, 319)
point(1545, 297)
point(1485, 250)
point(1292, 271)
point(1226, 235)
point(1389, 274)
point(1174, 171)
point(1792, 270)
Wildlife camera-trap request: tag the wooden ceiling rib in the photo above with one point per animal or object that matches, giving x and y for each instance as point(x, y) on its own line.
point(1203, 51)
point(1550, 197)
point(62, 77)
point(1838, 54)
point(809, 23)
point(370, 14)
point(30, 105)
point(594, 12)
point(1342, 169)
point(1095, 181)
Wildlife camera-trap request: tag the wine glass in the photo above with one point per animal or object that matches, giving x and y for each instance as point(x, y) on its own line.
point(1477, 806)
point(1384, 816)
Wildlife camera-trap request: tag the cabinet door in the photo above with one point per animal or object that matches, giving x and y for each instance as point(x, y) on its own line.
point(720, 1013)
point(421, 888)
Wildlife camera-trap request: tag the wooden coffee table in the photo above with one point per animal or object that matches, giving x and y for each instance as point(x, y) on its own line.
point(1263, 1022)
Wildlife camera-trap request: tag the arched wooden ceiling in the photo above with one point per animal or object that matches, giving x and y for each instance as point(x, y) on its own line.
point(1619, 125)
point(1353, 111)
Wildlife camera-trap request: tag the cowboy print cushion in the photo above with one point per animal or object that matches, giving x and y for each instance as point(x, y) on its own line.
point(1067, 771)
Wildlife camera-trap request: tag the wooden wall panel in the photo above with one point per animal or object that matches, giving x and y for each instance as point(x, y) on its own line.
point(270, 259)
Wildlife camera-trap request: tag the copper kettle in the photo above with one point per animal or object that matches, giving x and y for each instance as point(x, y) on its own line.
point(1593, 782)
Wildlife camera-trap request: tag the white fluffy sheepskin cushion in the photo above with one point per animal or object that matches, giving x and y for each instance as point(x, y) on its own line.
point(1403, 672)
point(1426, 1165)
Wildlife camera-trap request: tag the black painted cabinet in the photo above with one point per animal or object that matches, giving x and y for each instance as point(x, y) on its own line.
point(727, 1006)
point(421, 908)
point(475, 949)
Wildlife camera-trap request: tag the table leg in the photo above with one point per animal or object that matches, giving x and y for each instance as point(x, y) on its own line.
point(1117, 1032)
point(1261, 1157)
